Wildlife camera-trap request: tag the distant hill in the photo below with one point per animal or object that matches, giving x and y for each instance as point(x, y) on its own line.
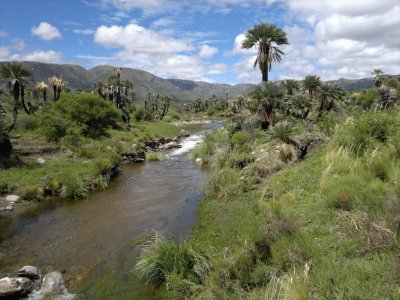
point(79, 78)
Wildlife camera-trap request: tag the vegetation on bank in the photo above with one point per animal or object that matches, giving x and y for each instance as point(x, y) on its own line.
point(302, 202)
point(73, 144)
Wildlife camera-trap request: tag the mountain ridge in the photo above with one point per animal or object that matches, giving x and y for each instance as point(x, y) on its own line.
point(79, 78)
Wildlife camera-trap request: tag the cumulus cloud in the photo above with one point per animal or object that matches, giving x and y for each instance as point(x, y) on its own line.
point(160, 54)
point(334, 39)
point(134, 37)
point(46, 31)
point(49, 56)
point(3, 34)
point(19, 44)
point(207, 51)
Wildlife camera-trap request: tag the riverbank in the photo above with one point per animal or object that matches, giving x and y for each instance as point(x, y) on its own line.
point(277, 224)
point(52, 170)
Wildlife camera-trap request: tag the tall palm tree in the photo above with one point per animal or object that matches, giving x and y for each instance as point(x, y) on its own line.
point(267, 38)
point(17, 73)
point(290, 86)
point(377, 73)
point(311, 83)
point(42, 88)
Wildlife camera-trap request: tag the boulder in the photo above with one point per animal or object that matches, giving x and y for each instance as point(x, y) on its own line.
point(198, 161)
point(40, 161)
point(172, 145)
point(30, 272)
point(13, 198)
point(53, 282)
point(14, 288)
point(9, 208)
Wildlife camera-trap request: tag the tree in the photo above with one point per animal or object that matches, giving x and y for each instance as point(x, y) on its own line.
point(267, 38)
point(377, 73)
point(268, 97)
point(58, 84)
point(328, 93)
point(290, 86)
point(42, 87)
point(17, 73)
point(311, 83)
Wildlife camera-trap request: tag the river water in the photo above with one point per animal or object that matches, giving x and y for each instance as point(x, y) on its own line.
point(93, 240)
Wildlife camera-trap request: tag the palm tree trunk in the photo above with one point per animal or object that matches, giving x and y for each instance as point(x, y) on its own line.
point(265, 74)
point(55, 92)
point(15, 91)
point(23, 100)
point(5, 147)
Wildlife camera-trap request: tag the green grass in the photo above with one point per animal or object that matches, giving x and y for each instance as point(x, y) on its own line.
point(322, 228)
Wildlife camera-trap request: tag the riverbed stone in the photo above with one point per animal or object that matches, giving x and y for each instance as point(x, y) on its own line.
point(13, 198)
point(2, 209)
point(198, 161)
point(9, 208)
point(30, 272)
point(41, 161)
point(172, 145)
point(53, 282)
point(14, 288)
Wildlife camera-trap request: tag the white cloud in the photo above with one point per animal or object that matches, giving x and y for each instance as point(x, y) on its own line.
point(46, 31)
point(84, 31)
point(157, 53)
point(50, 56)
point(163, 22)
point(19, 44)
point(5, 53)
point(134, 37)
point(207, 51)
point(3, 34)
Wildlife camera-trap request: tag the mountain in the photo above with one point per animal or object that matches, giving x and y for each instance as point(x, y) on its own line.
point(79, 78)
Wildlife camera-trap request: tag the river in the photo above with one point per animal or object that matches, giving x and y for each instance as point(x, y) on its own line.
point(93, 240)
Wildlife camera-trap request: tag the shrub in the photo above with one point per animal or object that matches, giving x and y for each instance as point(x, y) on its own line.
point(92, 113)
point(241, 140)
point(163, 257)
point(367, 98)
point(154, 156)
point(78, 114)
point(142, 114)
point(211, 111)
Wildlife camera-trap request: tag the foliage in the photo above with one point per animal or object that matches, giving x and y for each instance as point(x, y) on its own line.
point(142, 114)
point(267, 38)
point(154, 156)
point(367, 98)
point(164, 258)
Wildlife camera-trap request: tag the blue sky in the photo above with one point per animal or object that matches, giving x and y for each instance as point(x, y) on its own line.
point(201, 40)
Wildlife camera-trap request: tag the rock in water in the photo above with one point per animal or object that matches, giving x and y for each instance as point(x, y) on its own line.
point(53, 282)
point(30, 272)
point(14, 288)
point(9, 208)
point(13, 198)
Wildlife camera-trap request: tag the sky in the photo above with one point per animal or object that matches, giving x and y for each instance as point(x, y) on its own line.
point(201, 39)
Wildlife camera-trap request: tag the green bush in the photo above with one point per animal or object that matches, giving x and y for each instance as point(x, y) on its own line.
point(142, 114)
point(241, 140)
point(164, 258)
point(367, 98)
point(211, 111)
point(78, 114)
point(92, 113)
